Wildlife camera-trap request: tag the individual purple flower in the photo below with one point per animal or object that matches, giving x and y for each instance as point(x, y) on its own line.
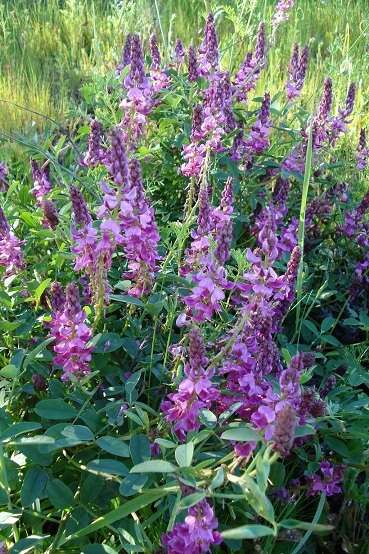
point(11, 256)
point(196, 534)
point(179, 52)
point(284, 429)
point(193, 66)
point(95, 154)
point(41, 180)
point(51, 216)
point(208, 50)
point(4, 172)
point(195, 392)
point(140, 233)
point(71, 336)
point(126, 54)
point(281, 13)
point(297, 71)
point(39, 384)
point(328, 481)
point(362, 152)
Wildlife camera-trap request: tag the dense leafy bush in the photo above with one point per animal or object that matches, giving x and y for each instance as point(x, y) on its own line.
point(183, 352)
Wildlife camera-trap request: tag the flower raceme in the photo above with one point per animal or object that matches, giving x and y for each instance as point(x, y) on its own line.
point(11, 256)
point(71, 333)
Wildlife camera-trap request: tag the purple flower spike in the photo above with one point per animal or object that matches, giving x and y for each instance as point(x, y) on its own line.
point(362, 152)
point(193, 66)
point(126, 55)
point(197, 534)
point(4, 172)
point(249, 72)
point(179, 52)
point(95, 153)
point(340, 122)
point(154, 51)
point(208, 50)
point(51, 216)
point(258, 140)
point(41, 180)
point(57, 297)
point(116, 159)
point(281, 13)
point(136, 77)
point(11, 257)
point(81, 214)
point(261, 48)
point(297, 71)
point(71, 333)
point(284, 429)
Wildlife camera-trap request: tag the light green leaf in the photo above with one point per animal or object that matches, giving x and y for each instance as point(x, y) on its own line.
point(184, 454)
point(114, 446)
point(241, 434)
point(248, 532)
point(154, 466)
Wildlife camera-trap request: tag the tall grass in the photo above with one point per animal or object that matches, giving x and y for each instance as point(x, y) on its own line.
point(49, 48)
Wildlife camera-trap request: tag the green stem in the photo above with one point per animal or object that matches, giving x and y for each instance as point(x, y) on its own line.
point(301, 230)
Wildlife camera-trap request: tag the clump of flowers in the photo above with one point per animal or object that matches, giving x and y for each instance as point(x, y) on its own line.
point(195, 392)
point(11, 256)
point(71, 335)
point(196, 534)
point(140, 233)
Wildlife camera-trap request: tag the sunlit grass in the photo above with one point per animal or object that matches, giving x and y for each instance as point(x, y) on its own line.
point(50, 48)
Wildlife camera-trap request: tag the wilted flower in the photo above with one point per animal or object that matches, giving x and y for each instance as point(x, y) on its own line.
point(51, 216)
point(284, 429)
point(281, 12)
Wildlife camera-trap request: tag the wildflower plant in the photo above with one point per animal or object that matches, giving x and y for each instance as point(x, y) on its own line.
point(191, 379)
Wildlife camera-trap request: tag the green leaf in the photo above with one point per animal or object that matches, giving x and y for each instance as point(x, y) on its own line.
point(304, 430)
point(33, 486)
point(119, 513)
point(9, 371)
point(106, 342)
point(132, 484)
point(98, 549)
point(114, 446)
point(305, 525)
point(108, 466)
point(191, 500)
point(218, 479)
point(327, 324)
point(126, 299)
point(30, 357)
point(59, 494)
point(165, 443)
point(28, 544)
point(40, 290)
point(184, 454)
point(55, 409)
point(19, 429)
point(139, 447)
point(248, 532)
point(241, 434)
point(9, 518)
point(255, 496)
point(78, 433)
point(208, 418)
point(154, 466)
